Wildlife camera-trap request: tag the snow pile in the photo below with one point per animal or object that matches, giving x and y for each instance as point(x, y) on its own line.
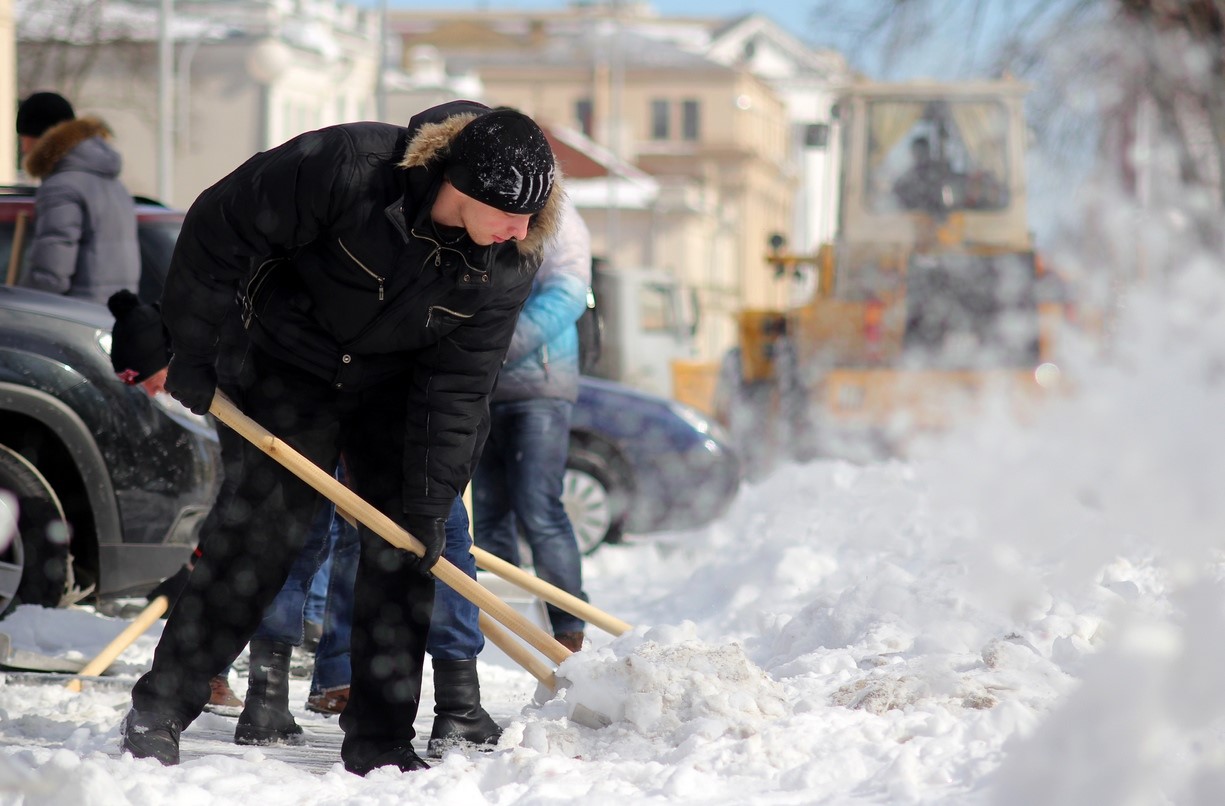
point(667, 685)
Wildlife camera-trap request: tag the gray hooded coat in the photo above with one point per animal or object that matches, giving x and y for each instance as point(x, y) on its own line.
point(84, 243)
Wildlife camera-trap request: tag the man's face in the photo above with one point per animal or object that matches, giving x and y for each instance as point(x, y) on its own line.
point(26, 142)
point(488, 225)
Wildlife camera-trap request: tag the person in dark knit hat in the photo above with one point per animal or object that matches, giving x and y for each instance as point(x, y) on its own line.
point(504, 160)
point(40, 112)
point(139, 351)
point(139, 355)
point(84, 243)
point(379, 270)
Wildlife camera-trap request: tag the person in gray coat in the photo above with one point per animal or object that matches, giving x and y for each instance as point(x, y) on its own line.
point(84, 243)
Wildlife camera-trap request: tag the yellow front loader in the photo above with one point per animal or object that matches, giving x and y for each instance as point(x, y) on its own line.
point(930, 295)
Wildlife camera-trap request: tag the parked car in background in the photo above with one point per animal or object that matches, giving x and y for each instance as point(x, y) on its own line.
point(640, 464)
point(112, 486)
point(158, 229)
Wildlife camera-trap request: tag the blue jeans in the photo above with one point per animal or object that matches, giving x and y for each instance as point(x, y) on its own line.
point(333, 537)
point(317, 596)
point(519, 478)
point(455, 633)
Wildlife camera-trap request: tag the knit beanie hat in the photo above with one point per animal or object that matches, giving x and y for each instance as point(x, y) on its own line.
point(41, 111)
point(138, 339)
point(503, 159)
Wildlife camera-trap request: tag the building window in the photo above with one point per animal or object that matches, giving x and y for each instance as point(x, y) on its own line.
point(816, 135)
point(584, 110)
point(690, 118)
point(660, 112)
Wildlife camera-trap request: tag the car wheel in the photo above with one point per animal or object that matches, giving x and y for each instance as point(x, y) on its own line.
point(34, 567)
point(591, 493)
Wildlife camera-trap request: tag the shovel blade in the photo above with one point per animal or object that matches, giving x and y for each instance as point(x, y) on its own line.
point(22, 659)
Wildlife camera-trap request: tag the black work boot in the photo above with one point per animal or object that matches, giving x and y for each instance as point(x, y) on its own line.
point(402, 756)
point(266, 719)
point(458, 715)
point(147, 735)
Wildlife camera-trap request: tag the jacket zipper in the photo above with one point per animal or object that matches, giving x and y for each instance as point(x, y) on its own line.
point(254, 286)
point(363, 266)
point(438, 247)
point(429, 314)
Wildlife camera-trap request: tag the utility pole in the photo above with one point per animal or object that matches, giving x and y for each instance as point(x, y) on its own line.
point(165, 104)
point(380, 80)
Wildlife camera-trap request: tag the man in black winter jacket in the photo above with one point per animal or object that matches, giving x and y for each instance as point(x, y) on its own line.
point(380, 272)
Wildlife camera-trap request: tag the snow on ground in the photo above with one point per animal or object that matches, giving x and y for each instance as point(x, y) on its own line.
point(1016, 615)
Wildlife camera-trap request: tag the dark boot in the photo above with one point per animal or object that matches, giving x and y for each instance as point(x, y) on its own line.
point(572, 641)
point(221, 698)
point(403, 757)
point(146, 735)
point(266, 719)
point(458, 715)
point(330, 702)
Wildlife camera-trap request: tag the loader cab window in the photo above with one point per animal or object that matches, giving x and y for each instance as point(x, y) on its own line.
point(937, 156)
point(657, 308)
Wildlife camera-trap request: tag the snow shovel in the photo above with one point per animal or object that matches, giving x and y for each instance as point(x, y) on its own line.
point(24, 660)
point(344, 498)
point(102, 661)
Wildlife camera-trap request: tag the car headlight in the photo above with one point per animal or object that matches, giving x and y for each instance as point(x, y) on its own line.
point(164, 400)
point(699, 422)
point(177, 411)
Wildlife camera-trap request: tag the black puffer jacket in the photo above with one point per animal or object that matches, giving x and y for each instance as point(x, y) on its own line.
point(328, 241)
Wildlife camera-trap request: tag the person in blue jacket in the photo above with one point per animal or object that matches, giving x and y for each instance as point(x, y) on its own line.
point(519, 477)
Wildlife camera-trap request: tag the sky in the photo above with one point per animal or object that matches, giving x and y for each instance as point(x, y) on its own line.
point(1016, 614)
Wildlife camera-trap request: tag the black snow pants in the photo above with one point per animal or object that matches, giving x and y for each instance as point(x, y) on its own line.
point(250, 546)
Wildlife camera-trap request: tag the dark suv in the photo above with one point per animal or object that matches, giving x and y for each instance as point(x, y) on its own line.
point(110, 485)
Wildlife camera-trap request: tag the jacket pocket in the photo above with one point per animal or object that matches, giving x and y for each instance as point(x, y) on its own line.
point(439, 316)
point(253, 297)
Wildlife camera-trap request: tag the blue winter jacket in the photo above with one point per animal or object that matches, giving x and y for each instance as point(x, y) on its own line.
point(543, 356)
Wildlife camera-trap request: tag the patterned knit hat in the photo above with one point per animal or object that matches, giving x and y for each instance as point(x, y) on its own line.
point(503, 159)
point(41, 111)
point(138, 339)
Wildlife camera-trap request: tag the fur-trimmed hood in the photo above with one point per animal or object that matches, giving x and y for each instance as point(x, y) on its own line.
point(429, 148)
point(59, 141)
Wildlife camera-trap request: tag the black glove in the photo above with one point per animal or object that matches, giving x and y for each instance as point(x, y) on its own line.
point(171, 587)
point(193, 382)
point(432, 532)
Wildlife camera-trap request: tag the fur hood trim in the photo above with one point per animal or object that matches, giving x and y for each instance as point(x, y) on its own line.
point(429, 148)
point(61, 138)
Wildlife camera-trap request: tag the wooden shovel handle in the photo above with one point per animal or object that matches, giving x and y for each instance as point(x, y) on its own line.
point(102, 661)
point(537, 586)
point(517, 652)
point(344, 498)
point(550, 593)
